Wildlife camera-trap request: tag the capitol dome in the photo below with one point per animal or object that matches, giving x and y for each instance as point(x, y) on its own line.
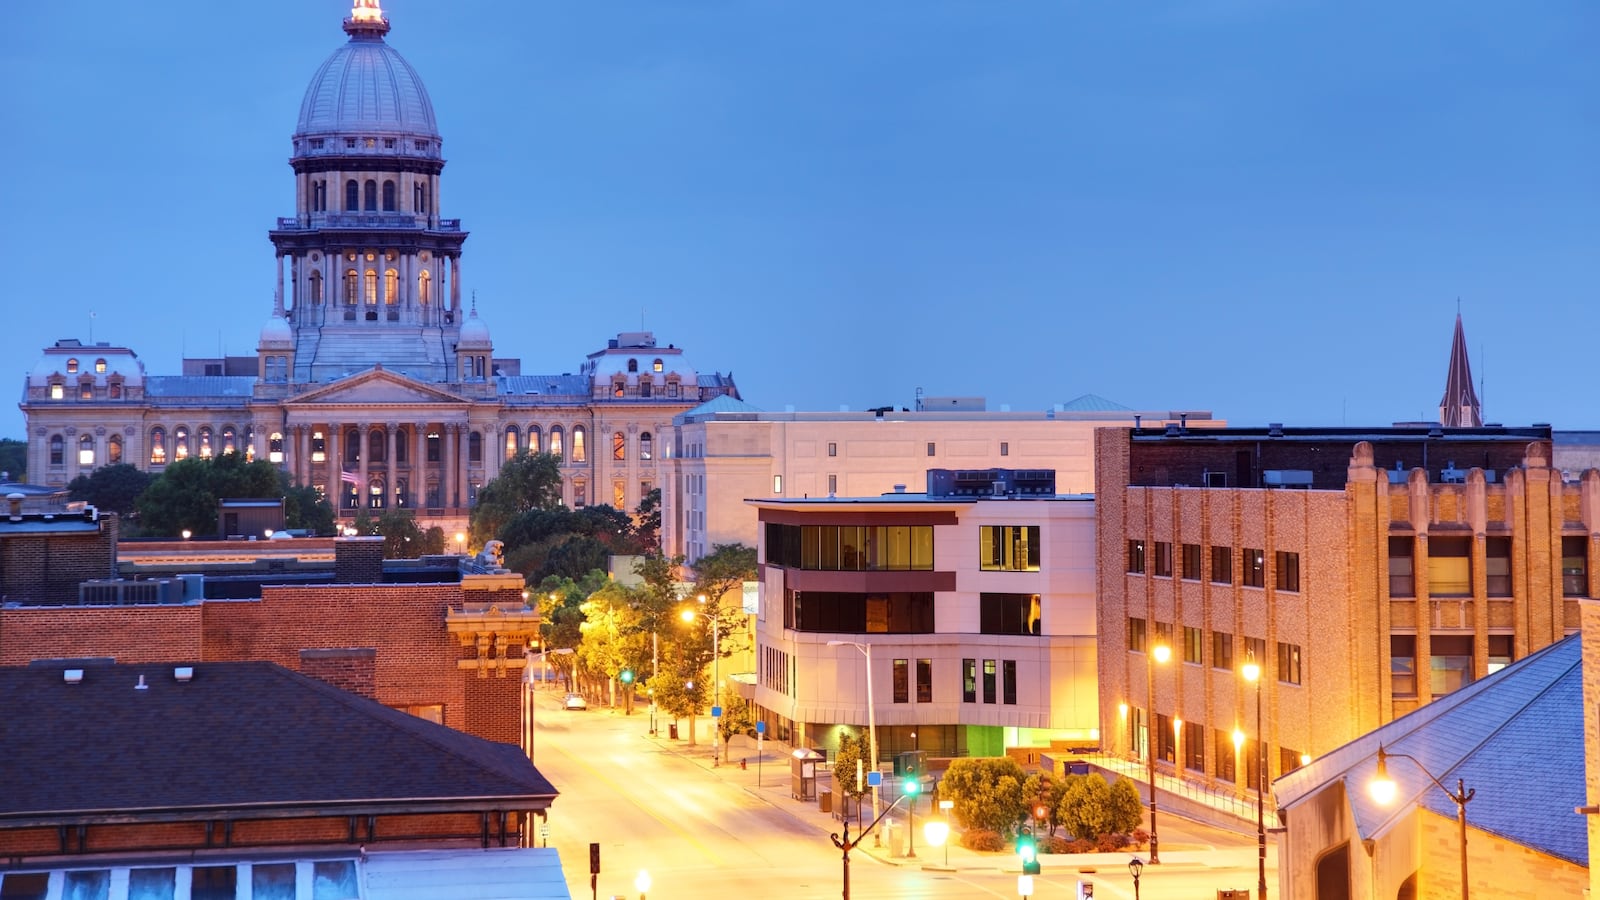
point(474, 333)
point(276, 333)
point(366, 91)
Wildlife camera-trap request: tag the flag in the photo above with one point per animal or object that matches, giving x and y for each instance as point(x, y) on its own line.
point(349, 477)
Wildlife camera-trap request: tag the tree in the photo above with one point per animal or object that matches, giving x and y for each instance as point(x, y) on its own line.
point(527, 481)
point(402, 537)
point(184, 497)
point(987, 792)
point(114, 488)
point(647, 520)
point(13, 460)
point(1091, 807)
point(679, 690)
point(306, 509)
point(1044, 788)
point(726, 568)
point(854, 753)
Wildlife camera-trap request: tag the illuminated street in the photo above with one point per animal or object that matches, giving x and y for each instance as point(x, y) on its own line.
point(694, 828)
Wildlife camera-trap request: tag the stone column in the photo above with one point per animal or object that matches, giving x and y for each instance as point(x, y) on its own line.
point(462, 484)
point(363, 457)
point(419, 465)
point(455, 286)
point(335, 467)
point(447, 456)
point(277, 293)
point(391, 479)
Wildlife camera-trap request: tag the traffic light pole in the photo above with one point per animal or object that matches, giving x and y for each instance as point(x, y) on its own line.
point(846, 844)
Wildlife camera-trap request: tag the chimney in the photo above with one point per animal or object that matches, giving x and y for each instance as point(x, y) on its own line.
point(899, 489)
point(14, 500)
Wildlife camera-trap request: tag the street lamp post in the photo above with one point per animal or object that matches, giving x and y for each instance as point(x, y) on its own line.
point(845, 844)
point(642, 882)
point(1135, 867)
point(716, 675)
point(1252, 674)
point(1383, 791)
point(944, 810)
point(1159, 653)
point(872, 721)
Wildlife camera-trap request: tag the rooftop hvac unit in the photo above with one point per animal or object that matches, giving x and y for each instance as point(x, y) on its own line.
point(1286, 477)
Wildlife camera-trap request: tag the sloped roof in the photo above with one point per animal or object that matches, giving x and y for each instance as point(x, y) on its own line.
point(544, 385)
point(1093, 403)
point(199, 386)
point(721, 403)
point(1518, 728)
point(237, 734)
point(1459, 407)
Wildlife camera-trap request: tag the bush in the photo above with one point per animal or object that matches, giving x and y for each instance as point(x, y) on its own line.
point(1080, 846)
point(983, 839)
point(1110, 843)
point(1054, 843)
point(1141, 837)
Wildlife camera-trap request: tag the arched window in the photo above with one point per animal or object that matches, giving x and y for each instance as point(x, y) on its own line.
point(372, 195)
point(58, 390)
point(158, 446)
point(275, 447)
point(375, 445)
point(580, 493)
point(655, 366)
point(401, 488)
point(204, 441)
point(58, 450)
point(114, 389)
point(316, 288)
point(375, 492)
point(351, 289)
point(114, 449)
point(352, 196)
point(619, 445)
point(579, 454)
point(229, 440)
point(619, 387)
point(180, 443)
point(72, 366)
point(619, 494)
point(432, 496)
point(100, 366)
point(391, 287)
point(423, 278)
point(511, 441)
point(645, 450)
point(372, 287)
point(474, 446)
point(249, 443)
point(388, 196)
point(555, 439)
point(402, 438)
point(352, 445)
point(86, 450)
point(646, 387)
point(533, 439)
point(633, 365)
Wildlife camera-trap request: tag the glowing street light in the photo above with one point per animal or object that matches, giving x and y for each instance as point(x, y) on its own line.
point(1251, 670)
point(642, 883)
point(1160, 653)
point(1383, 790)
point(872, 721)
point(689, 615)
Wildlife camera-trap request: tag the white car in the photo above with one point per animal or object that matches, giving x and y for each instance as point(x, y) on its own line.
point(575, 701)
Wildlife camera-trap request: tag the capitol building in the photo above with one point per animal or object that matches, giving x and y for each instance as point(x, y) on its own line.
point(371, 380)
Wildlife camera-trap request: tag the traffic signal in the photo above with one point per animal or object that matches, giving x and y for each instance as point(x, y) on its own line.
point(627, 676)
point(1028, 851)
point(909, 785)
point(1041, 812)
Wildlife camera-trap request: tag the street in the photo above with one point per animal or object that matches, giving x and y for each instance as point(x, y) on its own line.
point(657, 805)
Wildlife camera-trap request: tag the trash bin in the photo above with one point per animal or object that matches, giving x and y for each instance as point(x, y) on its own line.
point(825, 799)
point(1235, 894)
point(672, 730)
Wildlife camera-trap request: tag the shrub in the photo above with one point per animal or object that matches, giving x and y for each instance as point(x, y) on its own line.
point(1109, 843)
point(983, 839)
point(1141, 837)
point(987, 792)
point(1054, 843)
point(1080, 846)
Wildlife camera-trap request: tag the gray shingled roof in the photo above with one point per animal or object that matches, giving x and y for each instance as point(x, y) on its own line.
point(543, 386)
point(1515, 737)
point(1093, 403)
point(199, 386)
point(239, 733)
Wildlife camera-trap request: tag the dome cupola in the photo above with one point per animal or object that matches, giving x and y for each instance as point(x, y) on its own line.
point(366, 99)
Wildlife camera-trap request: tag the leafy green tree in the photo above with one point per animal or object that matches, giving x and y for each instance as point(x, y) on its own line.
point(306, 509)
point(987, 792)
point(402, 537)
point(526, 481)
point(185, 495)
point(679, 690)
point(14, 459)
point(724, 570)
point(737, 716)
point(647, 520)
point(1090, 806)
point(114, 488)
point(1044, 788)
point(854, 752)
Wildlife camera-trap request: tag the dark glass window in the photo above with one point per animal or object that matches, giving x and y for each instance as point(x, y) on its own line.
point(1166, 740)
point(1221, 650)
point(1136, 635)
point(1194, 746)
point(1450, 566)
point(1403, 665)
point(1163, 567)
point(214, 883)
point(1008, 672)
point(1008, 613)
point(988, 681)
point(1136, 557)
point(1574, 566)
point(1191, 562)
point(1193, 645)
point(1402, 578)
point(902, 681)
point(1500, 650)
point(1287, 574)
point(924, 681)
point(1222, 565)
point(861, 613)
point(1450, 665)
point(25, 885)
point(1013, 548)
point(1254, 564)
point(1224, 750)
point(969, 681)
point(1497, 566)
point(1288, 663)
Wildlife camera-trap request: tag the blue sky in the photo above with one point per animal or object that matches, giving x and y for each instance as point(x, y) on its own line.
point(1266, 209)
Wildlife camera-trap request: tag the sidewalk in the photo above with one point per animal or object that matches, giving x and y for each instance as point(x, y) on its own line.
point(775, 788)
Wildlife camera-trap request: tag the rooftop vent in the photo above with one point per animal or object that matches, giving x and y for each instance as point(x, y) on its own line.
point(1172, 429)
point(183, 674)
point(72, 676)
point(141, 686)
point(1274, 429)
point(899, 489)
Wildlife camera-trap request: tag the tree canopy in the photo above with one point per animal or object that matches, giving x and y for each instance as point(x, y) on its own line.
point(14, 459)
point(185, 495)
point(115, 488)
point(527, 481)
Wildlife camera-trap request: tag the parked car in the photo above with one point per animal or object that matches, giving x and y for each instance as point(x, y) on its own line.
point(575, 701)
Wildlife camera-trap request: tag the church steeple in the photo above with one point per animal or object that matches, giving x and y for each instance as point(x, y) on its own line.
point(1459, 407)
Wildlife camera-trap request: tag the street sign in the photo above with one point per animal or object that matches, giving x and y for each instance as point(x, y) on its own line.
point(874, 779)
point(594, 859)
point(716, 712)
point(761, 728)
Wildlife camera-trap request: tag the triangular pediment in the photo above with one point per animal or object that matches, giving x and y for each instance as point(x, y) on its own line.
point(374, 387)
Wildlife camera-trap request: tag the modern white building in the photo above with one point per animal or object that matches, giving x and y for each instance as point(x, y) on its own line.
point(970, 608)
point(727, 451)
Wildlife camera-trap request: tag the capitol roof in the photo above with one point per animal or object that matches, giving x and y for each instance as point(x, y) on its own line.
point(366, 88)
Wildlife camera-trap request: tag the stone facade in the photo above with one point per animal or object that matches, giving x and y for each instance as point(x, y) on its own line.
point(1368, 571)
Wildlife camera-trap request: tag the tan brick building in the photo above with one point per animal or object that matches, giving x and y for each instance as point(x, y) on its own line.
point(1367, 570)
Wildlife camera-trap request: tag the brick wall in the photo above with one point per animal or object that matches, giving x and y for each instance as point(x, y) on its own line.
point(358, 560)
point(349, 669)
point(129, 634)
point(494, 706)
point(47, 568)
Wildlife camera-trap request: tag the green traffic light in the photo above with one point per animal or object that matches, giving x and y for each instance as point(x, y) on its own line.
point(627, 676)
point(910, 786)
point(1026, 848)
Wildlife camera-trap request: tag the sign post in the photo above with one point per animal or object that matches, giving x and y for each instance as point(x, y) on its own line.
point(761, 732)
